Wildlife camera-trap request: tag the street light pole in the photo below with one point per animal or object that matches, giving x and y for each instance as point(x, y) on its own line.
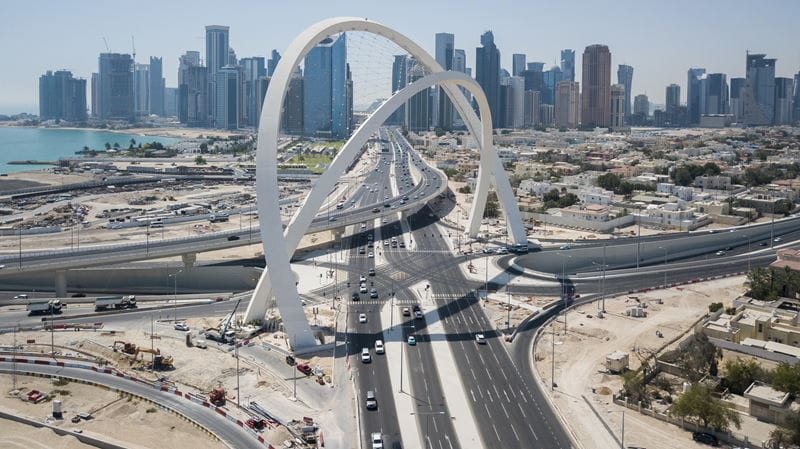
point(553, 359)
point(604, 277)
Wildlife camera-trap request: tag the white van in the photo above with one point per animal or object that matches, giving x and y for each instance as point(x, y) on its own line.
point(379, 349)
point(365, 357)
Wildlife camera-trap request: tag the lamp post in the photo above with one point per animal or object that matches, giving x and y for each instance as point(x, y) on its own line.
point(564, 293)
point(622, 439)
point(174, 276)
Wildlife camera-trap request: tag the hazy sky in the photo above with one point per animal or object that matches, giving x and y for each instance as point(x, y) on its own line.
point(659, 39)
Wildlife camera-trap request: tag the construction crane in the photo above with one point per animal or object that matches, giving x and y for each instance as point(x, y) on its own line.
point(133, 47)
point(230, 318)
point(106, 42)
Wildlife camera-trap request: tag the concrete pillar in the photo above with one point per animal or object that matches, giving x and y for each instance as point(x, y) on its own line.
point(338, 233)
point(61, 284)
point(189, 259)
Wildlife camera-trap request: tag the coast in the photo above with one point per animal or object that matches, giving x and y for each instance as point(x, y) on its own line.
point(178, 132)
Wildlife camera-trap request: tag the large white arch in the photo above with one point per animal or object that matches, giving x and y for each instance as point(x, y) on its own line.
point(280, 246)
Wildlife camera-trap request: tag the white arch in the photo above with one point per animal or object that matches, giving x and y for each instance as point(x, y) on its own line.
point(279, 248)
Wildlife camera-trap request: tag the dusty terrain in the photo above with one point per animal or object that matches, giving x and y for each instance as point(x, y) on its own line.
point(580, 356)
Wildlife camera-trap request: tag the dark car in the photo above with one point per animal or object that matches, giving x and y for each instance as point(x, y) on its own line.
point(231, 238)
point(356, 297)
point(290, 360)
point(705, 438)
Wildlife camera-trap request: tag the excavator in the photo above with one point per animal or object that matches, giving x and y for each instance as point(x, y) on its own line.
point(160, 362)
point(127, 348)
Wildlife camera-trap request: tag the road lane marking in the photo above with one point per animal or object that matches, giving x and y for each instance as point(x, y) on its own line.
point(473, 395)
point(515, 432)
point(508, 399)
point(521, 410)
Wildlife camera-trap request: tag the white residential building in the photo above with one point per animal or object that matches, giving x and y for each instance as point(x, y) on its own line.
point(532, 187)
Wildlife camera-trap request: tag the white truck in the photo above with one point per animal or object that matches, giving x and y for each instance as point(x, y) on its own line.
point(117, 302)
point(44, 306)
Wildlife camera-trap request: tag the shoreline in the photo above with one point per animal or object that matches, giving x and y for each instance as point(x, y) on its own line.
point(168, 133)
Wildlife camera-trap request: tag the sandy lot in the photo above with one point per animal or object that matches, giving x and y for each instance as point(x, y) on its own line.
point(144, 426)
point(580, 356)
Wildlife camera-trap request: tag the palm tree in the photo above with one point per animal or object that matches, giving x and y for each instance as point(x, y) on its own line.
point(85, 148)
point(108, 146)
point(133, 142)
point(116, 145)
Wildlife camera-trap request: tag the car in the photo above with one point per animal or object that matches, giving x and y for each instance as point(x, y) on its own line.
point(371, 402)
point(304, 368)
point(362, 251)
point(385, 221)
point(332, 219)
point(488, 251)
point(502, 250)
point(79, 295)
point(416, 308)
point(21, 296)
point(362, 289)
point(418, 315)
point(377, 440)
point(362, 318)
point(720, 253)
point(402, 244)
point(290, 360)
point(406, 311)
point(2, 266)
point(356, 296)
point(373, 293)
point(233, 238)
point(362, 278)
point(777, 239)
point(412, 340)
point(705, 438)
point(365, 357)
point(370, 255)
point(379, 348)
point(371, 272)
point(480, 339)
point(763, 244)
point(181, 327)
point(375, 210)
point(363, 226)
point(564, 247)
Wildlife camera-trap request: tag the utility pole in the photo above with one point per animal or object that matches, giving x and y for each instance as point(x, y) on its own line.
point(294, 375)
point(639, 238)
point(508, 293)
point(772, 228)
point(152, 343)
point(553, 359)
point(604, 277)
point(20, 247)
point(14, 359)
point(147, 240)
point(238, 390)
point(52, 336)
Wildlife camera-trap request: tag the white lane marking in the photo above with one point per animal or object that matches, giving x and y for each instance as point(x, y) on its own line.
point(473, 395)
point(521, 410)
point(515, 432)
point(495, 432)
point(504, 410)
point(508, 399)
point(532, 431)
point(489, 393)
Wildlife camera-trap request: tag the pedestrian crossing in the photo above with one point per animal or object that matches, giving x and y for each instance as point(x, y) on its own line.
point(377, 302)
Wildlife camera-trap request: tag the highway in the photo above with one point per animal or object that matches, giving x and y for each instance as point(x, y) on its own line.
point(232, 435)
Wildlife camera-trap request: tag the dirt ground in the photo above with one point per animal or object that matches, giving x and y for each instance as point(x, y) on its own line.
point(14, 435)
point(145, 426)
point(580, 355)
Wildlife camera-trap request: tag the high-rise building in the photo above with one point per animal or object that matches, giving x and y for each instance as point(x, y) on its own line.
point(596, 95)
point(170, 101)
point(625, 77)
point(784, 99)
point(487, 72)
point(536, 66)
point(693, 94)
point(62, 97)
point(141, 89)
point(736, 96)
point(232, 59)
point(188, 59)
point(460, 65)
point(418, 106)
point(193, 93)
point(228, 88)
point(327, 100)
point(217, 56)
point(568, 64)
point(443, 107)
point(252, 70)
point(532, 105)
point(115, 87)
point(546, 115)
point(95, 94)
point(517, 63)
point(796, 113)
point(273, 61)
point(293, 105)
point(551, 78)
point(567, 107)
point(759, 95)
point(399, 81)
point(156, 86)
point(673, 102)
point(617, 107)
point(516, 95)
point(714, 94)
point(641, 110)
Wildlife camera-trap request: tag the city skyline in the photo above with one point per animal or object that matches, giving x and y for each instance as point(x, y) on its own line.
point(60, 45)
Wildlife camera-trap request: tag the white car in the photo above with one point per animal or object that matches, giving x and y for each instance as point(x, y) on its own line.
point(362, 318)
point(377, 440)
point(362, 289)
point(362, 278)
point(480, 339)
point(370, 255)
point(379, 349)
point(365, 357)
point(181, 327)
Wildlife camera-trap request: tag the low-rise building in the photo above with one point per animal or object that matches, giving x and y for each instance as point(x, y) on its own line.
point(768, 404)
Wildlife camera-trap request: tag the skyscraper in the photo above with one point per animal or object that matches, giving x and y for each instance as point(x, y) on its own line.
point(596, 95)
point(693, 94)
point(170, 101)
point(460, 65)
point(273, 61)
point(714, 94)
point(252, 69)
point(95, 94)
point(625, 77)
point(796, 113)
point(673, 102)
point(156, 86)
point(62, 97)
point(417, 107)
point(784, 99)
point(759, 94)
point(566, 110)
point(115, 87)
point(193, 91)
point(568, 64)
point(551, 78)
point(536, 66)
point(399, 80)
point(227, 85)
point(617, 107)
point(487, 73)
point(532, 105)
point(641, 109)
point(327, 101)
point(517, 63)
point(736, 97)
point(217, 55)
point(516, 95)
point(443, 107)
point(141, 89)
point(293, 105)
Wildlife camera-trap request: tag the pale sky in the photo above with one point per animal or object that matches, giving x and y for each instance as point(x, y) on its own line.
point(661, 40)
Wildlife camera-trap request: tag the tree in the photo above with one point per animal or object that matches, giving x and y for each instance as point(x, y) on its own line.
point(699, 405)
point(609, 181)
point(786, 434)
point(786, 378)
point(116, 145)
point(108, 146)
point(465, 189)
point(439, 132)
point(682, 176)
point(200, 160)
point(714, 306)
point(634, 388)
point(698, 358)
point(85, 149)
point(741, 373)
point(203, 147)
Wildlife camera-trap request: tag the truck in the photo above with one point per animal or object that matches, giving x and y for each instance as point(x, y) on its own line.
point(44, 306)
point(117, 302)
